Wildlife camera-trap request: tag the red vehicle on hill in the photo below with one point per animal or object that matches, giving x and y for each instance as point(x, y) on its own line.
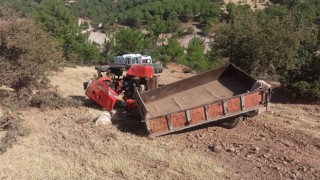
point(106, 89)
point(226, 94)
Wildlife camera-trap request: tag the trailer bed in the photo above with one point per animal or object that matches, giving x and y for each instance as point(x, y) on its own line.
point(203, 94)
point(214, 95)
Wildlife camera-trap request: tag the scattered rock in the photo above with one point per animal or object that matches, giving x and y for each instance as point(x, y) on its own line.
point(254, 150)
point(193, 146)
point(284, 162)
point(240, 146)
point(200, 136)
point(103, 119)
point(288, 144)
point(303, 168)
point(270, 150)
point(275, 167)
point(231, 149)
point(215, 148)
point(64, 137)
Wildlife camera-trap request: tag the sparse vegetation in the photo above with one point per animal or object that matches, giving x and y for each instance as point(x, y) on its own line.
point(27, 54)
point(12, 124)
point(51, 99)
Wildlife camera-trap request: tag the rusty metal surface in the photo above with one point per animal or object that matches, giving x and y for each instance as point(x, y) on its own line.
point(200, 115)
point(203, 94)
point(207, 97)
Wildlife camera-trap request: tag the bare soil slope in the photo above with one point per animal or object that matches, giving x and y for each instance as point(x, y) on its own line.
point(281, 143)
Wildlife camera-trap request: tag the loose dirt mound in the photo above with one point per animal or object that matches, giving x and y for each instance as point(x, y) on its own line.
point(281, 143)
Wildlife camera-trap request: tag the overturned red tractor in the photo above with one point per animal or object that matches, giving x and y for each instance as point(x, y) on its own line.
point(105, 90)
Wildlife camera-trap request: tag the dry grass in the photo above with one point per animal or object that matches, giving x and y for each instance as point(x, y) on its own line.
point(51, 99)
point(13, 128)
point(65, 146)
point(305, 118)
point(69, 81)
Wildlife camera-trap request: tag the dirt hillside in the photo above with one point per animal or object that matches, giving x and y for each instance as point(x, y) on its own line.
point(282, 143)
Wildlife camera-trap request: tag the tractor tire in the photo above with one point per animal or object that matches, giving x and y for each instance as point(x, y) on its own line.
point(232, 122)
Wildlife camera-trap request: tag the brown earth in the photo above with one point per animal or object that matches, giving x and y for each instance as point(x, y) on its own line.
point(281, 143)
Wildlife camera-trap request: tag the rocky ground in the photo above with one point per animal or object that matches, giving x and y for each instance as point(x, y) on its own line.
point(281, 143)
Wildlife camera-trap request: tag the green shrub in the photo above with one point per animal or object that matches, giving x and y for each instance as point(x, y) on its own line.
point(28, 55)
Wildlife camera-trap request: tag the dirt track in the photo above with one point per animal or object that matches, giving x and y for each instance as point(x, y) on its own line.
point(282, 143)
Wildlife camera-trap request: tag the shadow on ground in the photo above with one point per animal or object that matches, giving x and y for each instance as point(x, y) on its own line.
point(131, 123)
point(87, 102)
point(127, 122)
point(215, 124)
point(280, 95)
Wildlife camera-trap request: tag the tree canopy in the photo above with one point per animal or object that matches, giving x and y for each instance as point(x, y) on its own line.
point(279, 42)
point(61, 22)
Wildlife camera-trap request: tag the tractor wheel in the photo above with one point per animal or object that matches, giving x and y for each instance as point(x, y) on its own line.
point(232, 122)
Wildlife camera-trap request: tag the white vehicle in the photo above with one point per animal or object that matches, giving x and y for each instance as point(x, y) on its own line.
point(131, 59)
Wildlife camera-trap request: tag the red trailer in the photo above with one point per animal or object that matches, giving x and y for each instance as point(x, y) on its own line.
point(221, 94)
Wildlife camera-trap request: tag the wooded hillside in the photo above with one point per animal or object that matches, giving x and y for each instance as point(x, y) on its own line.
point(280, 42)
